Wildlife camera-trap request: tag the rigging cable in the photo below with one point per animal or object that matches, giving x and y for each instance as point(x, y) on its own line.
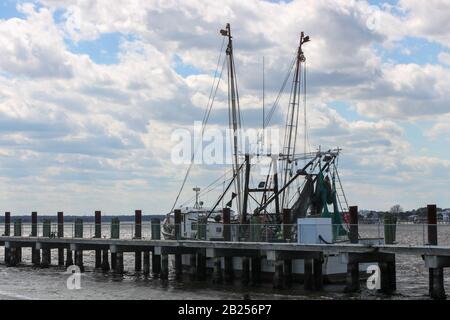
point(204, 121)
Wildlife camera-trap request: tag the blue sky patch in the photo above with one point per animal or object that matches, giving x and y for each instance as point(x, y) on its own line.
point(103, 50)
point(185, 70)
point(411, 50)
point(346, 111)
point(8, 10)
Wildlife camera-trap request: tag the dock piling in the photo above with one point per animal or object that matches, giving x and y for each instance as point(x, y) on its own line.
point(178, 261)
point(318, 276)
point(156, 235)
point(69, 259)
point(115, 234)
point(138, 235)
point(46, 252)
point(217, 273)
point(60, 235)
point(352, 279)
point(105, 262)
point(353, 234)
point(228, 261)
point(278, 275)
point(201, 265)
point(436, 275)
point(308, 281)
point(192, 266)
point(79, 252)
point(164, 275)
point(146, 261)
point(287, 273)
point(17, 233)
point(256, 271)
point(35, 253)
point(245, 271)
point(98, 235)
point(7, 233)
point(118, 264)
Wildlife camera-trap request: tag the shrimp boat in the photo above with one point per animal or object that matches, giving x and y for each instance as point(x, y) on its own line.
point(297, 186)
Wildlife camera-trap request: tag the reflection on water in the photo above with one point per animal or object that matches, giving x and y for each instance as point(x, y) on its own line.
point(28, 283)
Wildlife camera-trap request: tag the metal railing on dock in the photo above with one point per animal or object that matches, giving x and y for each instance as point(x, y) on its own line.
point(404, 233)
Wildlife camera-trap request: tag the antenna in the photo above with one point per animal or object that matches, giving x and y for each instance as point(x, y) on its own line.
point(197, 191)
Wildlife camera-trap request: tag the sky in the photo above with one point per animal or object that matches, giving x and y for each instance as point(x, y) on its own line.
point(91, 91)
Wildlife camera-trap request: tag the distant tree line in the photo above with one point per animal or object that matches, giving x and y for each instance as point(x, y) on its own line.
point(398, 212)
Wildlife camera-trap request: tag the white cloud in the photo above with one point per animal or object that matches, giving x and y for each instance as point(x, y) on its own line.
point(444, 58)
point(103, 131)
point(33, 47)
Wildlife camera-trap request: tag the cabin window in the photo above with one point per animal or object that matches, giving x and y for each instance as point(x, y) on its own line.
point(193, 226)
point(218, 229)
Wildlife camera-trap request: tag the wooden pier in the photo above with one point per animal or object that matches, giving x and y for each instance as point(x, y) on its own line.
point(435, 257)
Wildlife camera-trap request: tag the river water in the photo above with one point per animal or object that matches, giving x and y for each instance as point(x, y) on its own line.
point(26, 282)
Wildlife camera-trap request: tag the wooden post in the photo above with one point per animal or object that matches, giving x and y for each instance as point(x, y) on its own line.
point(98, 235)
point(201, 265)
point(177, 213)
point(245, 271)
point(178, 261)
point(79, 234)
point(228, 261)
point(35, 253)
point(105, 262)
point(79, 259)
point(146, 263)
point(78, 228)
point(318, 276)
point(217, 274)
point(385, 285)
point(164, 275)
point(60, 235)
point(193, 266)
point(118, 265)
point(7, 234)
point(115, 234)
point(308, 280)
point(256, 271)
point(278, 275)
point(156, 235)
point(138, 235)
point(46, 252)
point(226, 232)
point(352, 280)
point(288, 273)
point(353, 235)
point(178, 265)
point(436, 275)
point(69, 259)
point(287, 224)
point(18, 233)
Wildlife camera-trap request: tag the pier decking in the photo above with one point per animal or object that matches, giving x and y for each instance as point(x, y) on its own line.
point(436, 257)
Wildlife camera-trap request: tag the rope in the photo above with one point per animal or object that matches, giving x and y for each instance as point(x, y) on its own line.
point(205, 119)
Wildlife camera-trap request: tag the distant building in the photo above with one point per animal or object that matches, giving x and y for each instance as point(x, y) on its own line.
point(445, 215)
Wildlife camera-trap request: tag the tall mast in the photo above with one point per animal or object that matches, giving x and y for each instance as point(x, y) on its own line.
point(290, 137)
point(233, 101)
